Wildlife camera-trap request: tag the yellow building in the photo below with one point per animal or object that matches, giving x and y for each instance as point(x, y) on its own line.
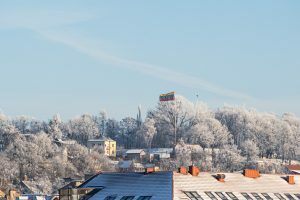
point(108, 146)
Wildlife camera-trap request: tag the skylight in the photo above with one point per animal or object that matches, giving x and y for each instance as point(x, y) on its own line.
point(112, 197)
point(193, 195)
point(231, 195)
point(297, 195)
point(221, 195)
point(257, 196)
point(267, 196)
point(211, 195)
point(127, 198)
point(289, 196)
point(144, 198)
point(246, 196)
point(279, 196)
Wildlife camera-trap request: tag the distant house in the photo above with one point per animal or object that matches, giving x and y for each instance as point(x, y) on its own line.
point(135, 154)
point(159, 153)
point(131, 166)
point(107, 145)
point(293, 169)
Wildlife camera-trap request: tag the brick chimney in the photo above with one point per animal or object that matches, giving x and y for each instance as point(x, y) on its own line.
point(251, 173)
point(193, 170)
point(151, 169)
point(221, 177)
point(290, 180)
point(183, 170)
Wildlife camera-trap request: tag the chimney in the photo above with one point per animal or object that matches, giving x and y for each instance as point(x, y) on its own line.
point(251, 173)
point(193, 170)
point(221, 177)
point(183, 170)
point(151, 169)
point(290, 180)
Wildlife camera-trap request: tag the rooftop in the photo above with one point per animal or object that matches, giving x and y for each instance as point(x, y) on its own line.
point(174, 185)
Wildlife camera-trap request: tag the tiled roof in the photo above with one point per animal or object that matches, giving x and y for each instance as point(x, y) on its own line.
point(234, 182)
point(293, 167)
point(158, 185)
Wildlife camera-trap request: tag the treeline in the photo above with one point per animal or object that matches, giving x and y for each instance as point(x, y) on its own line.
point(229, 138)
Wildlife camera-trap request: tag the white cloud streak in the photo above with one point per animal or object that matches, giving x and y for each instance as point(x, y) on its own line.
point(155, 71)
point(46, 26)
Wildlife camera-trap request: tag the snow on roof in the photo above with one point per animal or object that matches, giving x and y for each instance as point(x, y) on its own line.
point(101, 139)
point(158, 185)
point(160, 150)
point(129, 151)
point(234, 182)
point(162, 185)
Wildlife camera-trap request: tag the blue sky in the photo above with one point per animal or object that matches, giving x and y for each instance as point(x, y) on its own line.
point(82, 57)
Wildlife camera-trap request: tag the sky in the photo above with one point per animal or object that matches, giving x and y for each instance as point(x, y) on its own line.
point(81, 57)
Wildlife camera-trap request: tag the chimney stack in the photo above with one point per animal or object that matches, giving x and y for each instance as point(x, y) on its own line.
point(290, 180)
point(183, 170)
point(193, 170)
point(151, 169)
point(251, 173)
point(221, 177)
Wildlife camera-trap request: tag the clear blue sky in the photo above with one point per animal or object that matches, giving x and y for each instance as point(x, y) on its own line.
point(82, 57)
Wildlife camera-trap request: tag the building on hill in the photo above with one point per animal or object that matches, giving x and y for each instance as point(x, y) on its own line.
point(159, 153)
point(107, 145)
point(190, 184)
point(293, 169)
point(135, 154)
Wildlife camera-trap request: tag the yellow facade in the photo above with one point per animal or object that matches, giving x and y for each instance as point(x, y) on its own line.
point(107, 145)
point(110, 148)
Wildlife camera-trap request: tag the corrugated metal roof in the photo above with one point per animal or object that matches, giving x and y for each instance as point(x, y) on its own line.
point(158, 185)
point(135, 151)
point(234, 182)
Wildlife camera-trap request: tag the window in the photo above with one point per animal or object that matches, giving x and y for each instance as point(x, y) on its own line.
point(193, 195)
point(221, 195)
point(113, 197)
point(211, 195)
point(267, 196)
point(127, 198)
point(279, 196)
point(112, 152)
point(297, 195)
point(231, 195)
point(144, 197)
point(246, 196)
point(257, 196)
point(289, 196)
point(113, 145)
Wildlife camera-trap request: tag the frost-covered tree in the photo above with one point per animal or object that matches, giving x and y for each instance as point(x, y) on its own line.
point(83, 128)
point(228, 159)
point(55, 124)
point(146, 133)
point(173, 119)
point(249, 150)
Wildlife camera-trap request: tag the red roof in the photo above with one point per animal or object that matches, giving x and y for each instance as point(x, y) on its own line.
point(293, 167)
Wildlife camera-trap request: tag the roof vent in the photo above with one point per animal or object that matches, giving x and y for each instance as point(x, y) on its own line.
point(193, 170)
point(183, 170)
point(221, 177)
point(251, 173)
point(290, 180)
